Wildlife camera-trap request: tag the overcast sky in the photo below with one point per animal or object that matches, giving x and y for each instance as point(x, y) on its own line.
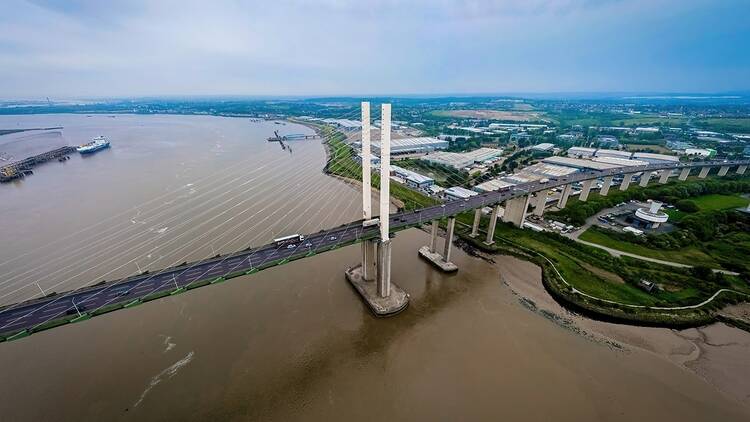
point(85, 48)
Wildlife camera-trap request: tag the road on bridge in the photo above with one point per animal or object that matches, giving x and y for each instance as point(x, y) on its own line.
point(77, 304)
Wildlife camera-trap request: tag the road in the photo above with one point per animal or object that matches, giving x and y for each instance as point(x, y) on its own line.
point(31, 314)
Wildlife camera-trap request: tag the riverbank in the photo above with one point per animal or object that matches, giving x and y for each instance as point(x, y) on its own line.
point(685, 316)
point(716, 352)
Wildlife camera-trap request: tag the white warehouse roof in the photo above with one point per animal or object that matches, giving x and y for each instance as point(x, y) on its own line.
point(579, 163)
point(459, 192)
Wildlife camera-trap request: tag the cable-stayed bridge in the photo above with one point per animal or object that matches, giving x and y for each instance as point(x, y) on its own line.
point(372, 278)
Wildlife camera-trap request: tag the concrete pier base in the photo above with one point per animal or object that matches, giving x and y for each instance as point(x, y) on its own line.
point(704, 172)
point(392, 304)
point(723, 170)
point(741, 169)
point(437, 260)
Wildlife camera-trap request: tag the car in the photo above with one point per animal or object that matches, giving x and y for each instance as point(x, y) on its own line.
point(292, 246)
point(308, 244)
point(332, 238)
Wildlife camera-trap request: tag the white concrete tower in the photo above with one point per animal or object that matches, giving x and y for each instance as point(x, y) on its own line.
point(366, 163)
point(385, 169)
point(384, 250)
point(368, 246)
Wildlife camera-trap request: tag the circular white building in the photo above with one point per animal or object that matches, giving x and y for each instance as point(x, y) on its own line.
point(652, 216)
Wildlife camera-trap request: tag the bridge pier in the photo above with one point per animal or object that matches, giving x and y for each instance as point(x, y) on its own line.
point(491, 228)
point(741, 169)
point(540, 201)
point(645, 177)
point(626, 181)
point(383, 297)
point(723, 170)
point(684, 174)
point(515, 210)
point(369, 260)
point(704, 172)
point(564, 196)
point(477, 220)
point(585, 189)
point(664, 176)
point(442, 262)
point(605, 186)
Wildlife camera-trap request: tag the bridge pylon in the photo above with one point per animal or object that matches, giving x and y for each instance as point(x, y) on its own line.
point(372, 278)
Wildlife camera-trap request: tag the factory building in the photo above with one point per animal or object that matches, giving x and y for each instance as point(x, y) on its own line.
point(613, 153)
point(406, 146)
point(544, 147)
point(700, 152)
point(345, 124)
point(493, 185)
point(412, 178)
point(655, 158)
point(581, 152)
point(619, 162)
point(578, 163)
point(457, 192)
point(461, 160)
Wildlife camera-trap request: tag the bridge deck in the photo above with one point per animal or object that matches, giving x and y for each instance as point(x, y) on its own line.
point(20, 319)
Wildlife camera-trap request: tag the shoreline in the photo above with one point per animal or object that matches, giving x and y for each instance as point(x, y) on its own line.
point(710, 352)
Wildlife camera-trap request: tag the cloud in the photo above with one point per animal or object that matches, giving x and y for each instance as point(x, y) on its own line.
point(94, 48)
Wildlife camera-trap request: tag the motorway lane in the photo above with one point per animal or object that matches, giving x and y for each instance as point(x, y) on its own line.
point(32, 313)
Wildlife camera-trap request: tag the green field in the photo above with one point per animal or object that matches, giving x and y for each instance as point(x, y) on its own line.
point(720, 202)
point(692, 255)
point(739, 125)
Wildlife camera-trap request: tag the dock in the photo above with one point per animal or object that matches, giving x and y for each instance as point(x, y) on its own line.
point(21, 169)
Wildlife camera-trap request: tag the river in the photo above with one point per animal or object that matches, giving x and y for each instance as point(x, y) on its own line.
point(295, 342)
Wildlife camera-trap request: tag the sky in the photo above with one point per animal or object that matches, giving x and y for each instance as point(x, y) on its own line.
point(92, 48)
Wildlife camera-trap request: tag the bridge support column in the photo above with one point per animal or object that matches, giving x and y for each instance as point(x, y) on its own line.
point(741, 169)
point(491, 227)
point(564, 196)
point(515, 210)
point(540, 201)
point(383, 297)
point(664, 176)
point(384, 268)
point(605, 186)
point(723, 170)
point(626, 181)
point(684, 174)
point(704, 172)
point(477, 220)
point(369, 260)
point(433, 236)
point(442, 262)
point(645, 177)
point(586, 189)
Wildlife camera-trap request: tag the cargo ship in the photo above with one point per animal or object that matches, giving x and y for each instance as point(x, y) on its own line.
point(100, 142)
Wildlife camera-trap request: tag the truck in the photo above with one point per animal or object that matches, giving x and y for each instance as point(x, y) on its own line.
point(288, 240)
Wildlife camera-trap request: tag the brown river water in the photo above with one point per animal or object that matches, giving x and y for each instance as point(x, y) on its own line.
point(295, 342)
